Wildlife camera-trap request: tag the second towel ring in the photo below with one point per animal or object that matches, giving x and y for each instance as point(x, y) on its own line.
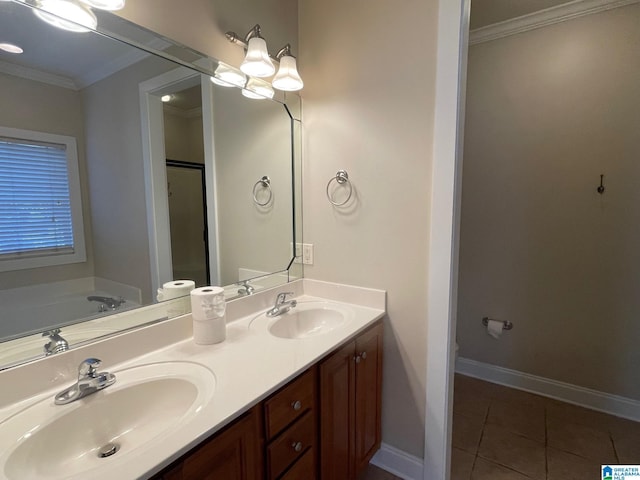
point(341, 178)
point(266, 183)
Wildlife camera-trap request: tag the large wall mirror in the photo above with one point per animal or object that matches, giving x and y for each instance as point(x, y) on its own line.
point(136, 170)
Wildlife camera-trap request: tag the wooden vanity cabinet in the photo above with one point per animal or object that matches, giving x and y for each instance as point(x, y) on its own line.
point(233, 454)
point(324, 424)
point(350, 401)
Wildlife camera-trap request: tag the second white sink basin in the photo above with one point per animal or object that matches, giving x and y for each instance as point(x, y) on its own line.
point(47, 441)
point(306, 320)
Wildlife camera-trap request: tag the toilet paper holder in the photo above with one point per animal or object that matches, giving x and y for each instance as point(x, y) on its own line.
point(506, 324)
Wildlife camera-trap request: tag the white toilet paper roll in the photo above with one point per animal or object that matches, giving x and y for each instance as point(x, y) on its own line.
point(207, 303)
point(494, 328)
point(175, 289)
point(208, 313)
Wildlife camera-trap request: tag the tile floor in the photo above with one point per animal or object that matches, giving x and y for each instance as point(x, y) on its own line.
point(501, 433)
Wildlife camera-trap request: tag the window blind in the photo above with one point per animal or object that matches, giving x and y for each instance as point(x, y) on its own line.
point(35, 207)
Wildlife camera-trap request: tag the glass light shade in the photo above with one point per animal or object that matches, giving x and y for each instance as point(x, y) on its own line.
point(257, 62)
point(105, 4)
point(67, 15)
point(227, 76)
point(287, 78)
point(258, 89)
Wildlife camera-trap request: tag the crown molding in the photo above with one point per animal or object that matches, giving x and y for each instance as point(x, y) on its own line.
point(37, 75)
point(544, 18)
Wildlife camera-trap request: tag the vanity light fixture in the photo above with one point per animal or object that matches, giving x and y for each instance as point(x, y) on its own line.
point(111, 5)
point(228, 76)
point(11, 48)
point(287, 78)
point(74, 15)
point(67, 15)
point(258, 62)
point(258, 89)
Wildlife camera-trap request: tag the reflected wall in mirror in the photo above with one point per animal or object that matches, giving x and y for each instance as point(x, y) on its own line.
point(87, 87)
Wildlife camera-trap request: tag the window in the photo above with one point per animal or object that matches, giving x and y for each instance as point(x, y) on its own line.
point(40, 208)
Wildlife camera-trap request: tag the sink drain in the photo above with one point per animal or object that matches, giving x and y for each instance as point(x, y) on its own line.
point(108, 450)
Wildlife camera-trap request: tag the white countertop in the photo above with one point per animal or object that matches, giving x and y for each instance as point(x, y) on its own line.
point(248, 366)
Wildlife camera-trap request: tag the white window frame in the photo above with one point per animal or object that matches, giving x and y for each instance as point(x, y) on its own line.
point(79, 254)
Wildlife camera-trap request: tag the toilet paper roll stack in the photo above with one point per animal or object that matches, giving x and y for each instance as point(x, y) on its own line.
point(208, 312)
point(176, 294)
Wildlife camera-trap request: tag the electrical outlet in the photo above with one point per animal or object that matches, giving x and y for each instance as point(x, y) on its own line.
point(297, 253)
point(307, 253)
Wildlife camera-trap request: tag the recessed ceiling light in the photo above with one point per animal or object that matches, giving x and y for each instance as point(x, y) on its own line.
point(166, 98)
point(67, 15)
point(11, 48)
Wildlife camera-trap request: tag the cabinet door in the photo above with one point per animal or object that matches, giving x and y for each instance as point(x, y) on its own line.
point(368, 396)
point(337, 414)
point(234, 454)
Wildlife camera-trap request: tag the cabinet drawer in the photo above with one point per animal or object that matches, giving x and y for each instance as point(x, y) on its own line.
point(303, 469)
point(290, 403)
point(291, 444)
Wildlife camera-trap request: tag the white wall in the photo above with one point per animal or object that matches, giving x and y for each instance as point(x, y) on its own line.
point(548, 111)
point(369, 71)
point(46, 108)
point(183, 139)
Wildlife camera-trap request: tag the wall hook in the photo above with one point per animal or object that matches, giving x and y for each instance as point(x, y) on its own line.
point(600, 189)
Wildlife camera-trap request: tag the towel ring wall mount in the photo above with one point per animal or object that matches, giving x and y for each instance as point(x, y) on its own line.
point(341, 178)
point(265, 182)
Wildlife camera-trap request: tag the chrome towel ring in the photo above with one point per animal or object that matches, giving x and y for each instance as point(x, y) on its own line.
point(264, 182)
point(341, 178)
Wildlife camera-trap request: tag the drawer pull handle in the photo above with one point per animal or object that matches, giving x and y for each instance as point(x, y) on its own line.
point(364, 355)
point(297, 446)
point(357, 358)
point(297, 405)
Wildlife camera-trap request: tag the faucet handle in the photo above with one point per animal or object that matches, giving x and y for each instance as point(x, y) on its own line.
point(283, 296)
point(88, 368)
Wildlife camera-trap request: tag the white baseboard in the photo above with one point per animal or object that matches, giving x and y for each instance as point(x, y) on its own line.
point(585, 397)
point(400, 463)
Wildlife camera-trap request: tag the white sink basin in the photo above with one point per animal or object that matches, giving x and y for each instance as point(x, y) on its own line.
point(146, 404)
point(306, 320)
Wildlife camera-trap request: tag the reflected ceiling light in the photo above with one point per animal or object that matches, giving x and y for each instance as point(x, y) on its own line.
point(228, 76)
point(105, 4)
point(166, 98)
point(11, 48)
point(287, 78)
point(258, 63)
point(67, 15)
point(258, 89)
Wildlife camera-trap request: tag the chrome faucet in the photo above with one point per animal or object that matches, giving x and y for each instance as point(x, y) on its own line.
point(109, 302)
point(56, 343)
point(282, 306)
point(245, 288)
point(89, 381)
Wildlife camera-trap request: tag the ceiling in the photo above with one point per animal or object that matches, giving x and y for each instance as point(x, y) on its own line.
point(488, 12)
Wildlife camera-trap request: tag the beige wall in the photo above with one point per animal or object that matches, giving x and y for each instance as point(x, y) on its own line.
point(548, 111)
point(368, 108)
point(32, 105)
point(252, 138)
point(202, 24)
point(183, 138)
point(116, 175)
